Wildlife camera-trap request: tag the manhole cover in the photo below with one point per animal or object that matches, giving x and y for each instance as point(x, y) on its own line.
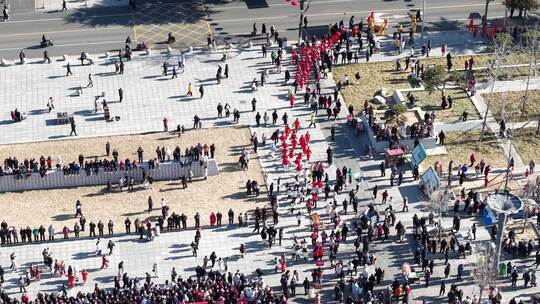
point(243, 101)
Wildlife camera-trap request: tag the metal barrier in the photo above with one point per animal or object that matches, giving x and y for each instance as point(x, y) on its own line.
point(55, 179)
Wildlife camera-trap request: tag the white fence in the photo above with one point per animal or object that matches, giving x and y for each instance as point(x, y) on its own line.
point(56, 178)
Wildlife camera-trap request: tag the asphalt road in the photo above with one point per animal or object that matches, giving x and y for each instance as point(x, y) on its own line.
point(100, 29)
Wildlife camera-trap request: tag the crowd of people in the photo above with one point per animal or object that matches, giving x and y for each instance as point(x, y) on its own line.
point(27, 167)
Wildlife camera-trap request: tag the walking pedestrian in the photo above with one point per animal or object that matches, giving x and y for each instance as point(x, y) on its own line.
point(68, 70)
point(201, 90)
point(64, 6)
point(121, 94)
point(90, 81)
point(190, 90)
point(46, 56)
point(165, 68)
point(50, 104)
point(73, 126)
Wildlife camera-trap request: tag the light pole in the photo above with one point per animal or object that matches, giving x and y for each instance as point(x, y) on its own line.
point(509, 140)
point(303, 10)
point(423, 17)
point(484, 18)
point(301, 21)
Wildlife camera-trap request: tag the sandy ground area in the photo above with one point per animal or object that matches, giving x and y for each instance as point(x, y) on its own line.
point(217, 193)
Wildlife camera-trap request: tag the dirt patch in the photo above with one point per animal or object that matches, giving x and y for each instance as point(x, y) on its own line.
point(217, 193)
point(510, 105)
point(460, 145)
point(461, 102)
point(527, 143)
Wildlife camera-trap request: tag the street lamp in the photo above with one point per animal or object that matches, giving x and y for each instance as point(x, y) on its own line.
point(423, 17)
point(302, 12)
point(484, 18)
point(509, 141)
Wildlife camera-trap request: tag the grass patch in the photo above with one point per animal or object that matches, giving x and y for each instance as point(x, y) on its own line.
point(377, 75)
point(514, 104)
point(527, 144)
point(461, 102)
point(460, 145)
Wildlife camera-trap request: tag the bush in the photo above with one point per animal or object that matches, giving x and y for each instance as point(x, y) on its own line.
point(414, 82)
point(399, 109)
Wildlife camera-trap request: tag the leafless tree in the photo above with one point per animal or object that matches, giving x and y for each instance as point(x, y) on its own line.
point(438, 204)
point(531, 198)
point(485, 271)
point(502, 44)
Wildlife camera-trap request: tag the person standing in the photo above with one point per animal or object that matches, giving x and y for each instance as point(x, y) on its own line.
point(226, 73)
point(265, 118)
point(329, 155)
point(6, 13)
point(120, 94)
point(253, 104)
point(78, 208)
point(201, 90)
point(220, 110)
point(155, 270)
point(22, 287)
point(190, 90)
point(13, 266)
point(150, 204)
point(127, 223)
point(197, 218)
point(165, 124)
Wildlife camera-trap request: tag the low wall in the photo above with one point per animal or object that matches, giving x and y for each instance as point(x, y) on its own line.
point(381, 146)
point(55, 179)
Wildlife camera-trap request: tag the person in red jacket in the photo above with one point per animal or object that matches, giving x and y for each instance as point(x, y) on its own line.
point(84, 275)
point(212, 219)
point(71, 281)
point(104, 262)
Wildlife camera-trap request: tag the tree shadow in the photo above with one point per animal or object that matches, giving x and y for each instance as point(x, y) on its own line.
point(63, 217)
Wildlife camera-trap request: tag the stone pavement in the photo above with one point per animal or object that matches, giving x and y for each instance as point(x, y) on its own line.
point(148, 96)
point(56, 5)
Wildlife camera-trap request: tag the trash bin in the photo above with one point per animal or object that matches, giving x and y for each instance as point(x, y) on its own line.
point(502, 269)
point(285, 42)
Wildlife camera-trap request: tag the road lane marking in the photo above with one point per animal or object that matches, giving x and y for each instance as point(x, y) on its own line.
point(69, 31)
point(69, 45)
point(64, 18)
point(281, 4)
point(342, 13)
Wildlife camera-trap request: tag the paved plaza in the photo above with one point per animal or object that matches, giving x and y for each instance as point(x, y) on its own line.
point(150, 96)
